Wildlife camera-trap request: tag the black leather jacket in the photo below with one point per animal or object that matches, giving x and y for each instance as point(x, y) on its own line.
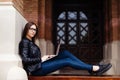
point(30, 54)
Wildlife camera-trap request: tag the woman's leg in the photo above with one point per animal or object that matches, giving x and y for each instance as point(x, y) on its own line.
point(67, 54)
point(57, 63)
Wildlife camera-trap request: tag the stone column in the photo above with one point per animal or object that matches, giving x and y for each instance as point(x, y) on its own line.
point(41, 18)
point(41, 24)
point(49, 27)
point(115, 44)
point(112, 48)
point(11, 26)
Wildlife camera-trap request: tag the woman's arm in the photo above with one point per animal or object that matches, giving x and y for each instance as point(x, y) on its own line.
point(24, 52)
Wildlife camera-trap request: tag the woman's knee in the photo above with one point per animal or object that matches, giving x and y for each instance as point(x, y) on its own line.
point(66, 52)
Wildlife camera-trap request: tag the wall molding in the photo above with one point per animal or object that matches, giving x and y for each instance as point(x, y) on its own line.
point(6, 3)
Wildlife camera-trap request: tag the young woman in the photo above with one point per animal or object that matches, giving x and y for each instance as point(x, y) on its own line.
point(31, 57)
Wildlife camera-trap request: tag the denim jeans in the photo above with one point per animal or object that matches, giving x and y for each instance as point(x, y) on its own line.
point(64, 59)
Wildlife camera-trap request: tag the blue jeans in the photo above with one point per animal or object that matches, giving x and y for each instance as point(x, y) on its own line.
point(64, 59)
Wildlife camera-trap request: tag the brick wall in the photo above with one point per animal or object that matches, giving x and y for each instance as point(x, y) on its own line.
point(31, 10)
point(18, 5)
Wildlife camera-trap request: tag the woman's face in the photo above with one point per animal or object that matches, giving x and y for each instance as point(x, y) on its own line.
point(31, 32)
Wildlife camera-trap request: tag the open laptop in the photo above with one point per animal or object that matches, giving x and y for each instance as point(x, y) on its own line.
point(46, 57)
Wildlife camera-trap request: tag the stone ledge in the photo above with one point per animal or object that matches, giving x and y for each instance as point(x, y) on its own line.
point(70, 77)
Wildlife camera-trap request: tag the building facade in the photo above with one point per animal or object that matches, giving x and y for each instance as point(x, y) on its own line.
point(46, 14)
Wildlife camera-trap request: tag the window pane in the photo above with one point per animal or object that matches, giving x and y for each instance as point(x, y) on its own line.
point(84, 32)
point(62, 16)
point(72, 15)
point(61, 32)
point(72, 33)
point(82, 16)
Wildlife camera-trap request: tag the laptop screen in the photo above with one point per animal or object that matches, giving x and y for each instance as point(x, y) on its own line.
point(58, 48)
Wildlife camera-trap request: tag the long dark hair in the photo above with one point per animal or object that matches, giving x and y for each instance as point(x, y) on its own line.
point(27, 27)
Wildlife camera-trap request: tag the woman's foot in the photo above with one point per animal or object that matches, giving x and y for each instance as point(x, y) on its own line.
point(102, 69)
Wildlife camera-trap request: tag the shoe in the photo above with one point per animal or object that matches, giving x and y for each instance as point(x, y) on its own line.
point(103, 69)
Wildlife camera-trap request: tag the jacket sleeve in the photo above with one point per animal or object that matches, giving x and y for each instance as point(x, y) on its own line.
point(24, 53)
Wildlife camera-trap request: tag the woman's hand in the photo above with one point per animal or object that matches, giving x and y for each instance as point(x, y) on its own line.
point(51, 56)
point(46, 57)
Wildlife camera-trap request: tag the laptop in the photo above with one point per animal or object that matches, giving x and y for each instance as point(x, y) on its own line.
point(46, 57)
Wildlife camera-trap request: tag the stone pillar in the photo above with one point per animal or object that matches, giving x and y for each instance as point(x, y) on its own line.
point(112, 47)
point(49, 27)
point(48, 20)
point(41, 24)
point(41, 18)
point(11, 26)
point(45, 27)
point(115, 44)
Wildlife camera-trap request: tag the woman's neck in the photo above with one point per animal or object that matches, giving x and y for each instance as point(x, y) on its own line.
point(29, 38)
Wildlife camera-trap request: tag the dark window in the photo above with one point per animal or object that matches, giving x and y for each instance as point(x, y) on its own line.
point(79, 26)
